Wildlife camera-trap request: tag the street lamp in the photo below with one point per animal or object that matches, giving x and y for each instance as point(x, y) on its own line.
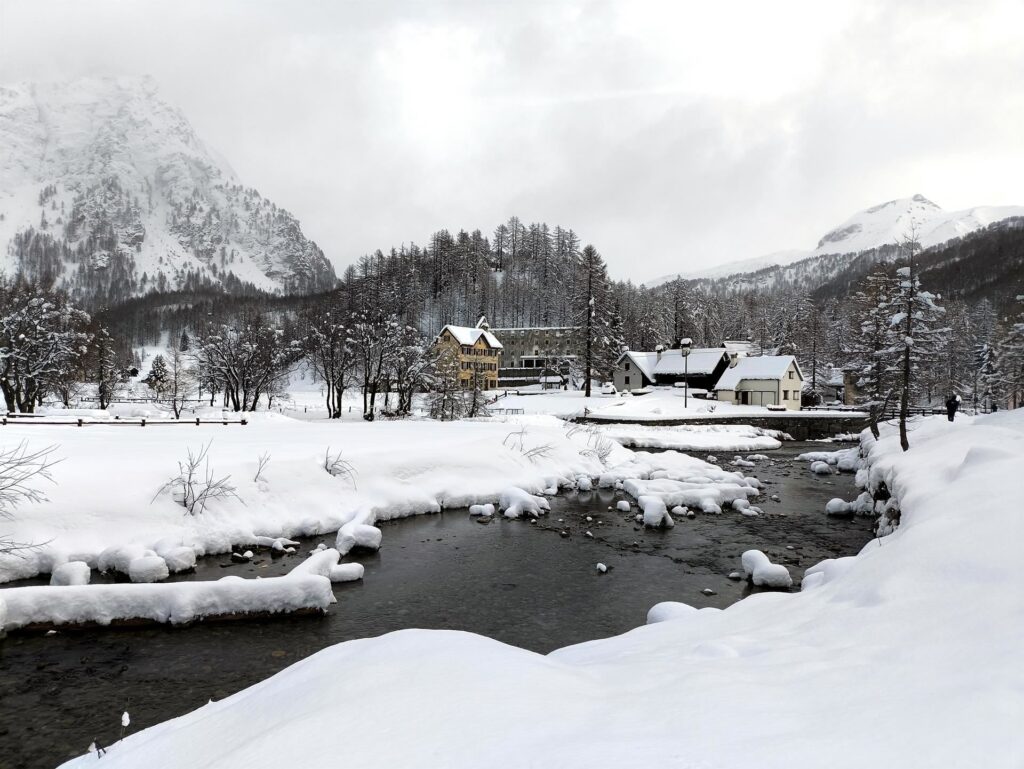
point(685, 344)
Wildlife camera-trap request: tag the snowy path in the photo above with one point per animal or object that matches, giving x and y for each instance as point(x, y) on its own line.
point(907, 657)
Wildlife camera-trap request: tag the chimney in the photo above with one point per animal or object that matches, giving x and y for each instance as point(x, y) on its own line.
point(659, 350)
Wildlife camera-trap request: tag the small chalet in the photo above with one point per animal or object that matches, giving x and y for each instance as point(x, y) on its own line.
point(699, 370)
point(766, 380)
point(477, 351)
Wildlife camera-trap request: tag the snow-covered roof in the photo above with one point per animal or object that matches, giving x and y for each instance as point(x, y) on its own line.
point(469, 336)
point(645, 361)
point(761, 367)
point(702, 360)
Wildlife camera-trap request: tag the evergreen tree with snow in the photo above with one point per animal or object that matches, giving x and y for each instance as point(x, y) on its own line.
point(917, 321)
point(871, 351)
point(598, 318)
point(156, 379)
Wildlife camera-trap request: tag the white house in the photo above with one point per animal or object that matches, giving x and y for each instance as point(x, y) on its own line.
point(767, 380)
point(700, 369)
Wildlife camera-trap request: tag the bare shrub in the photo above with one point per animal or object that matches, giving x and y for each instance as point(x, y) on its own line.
point(338, 467)
point(262, 461)
point(195, 484)
point(19, 469)
point(517, 442)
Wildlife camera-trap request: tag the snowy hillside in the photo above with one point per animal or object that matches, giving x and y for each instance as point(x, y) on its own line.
point(107, 188)
point(878, 227)
point(888, 222)
point(732, 268)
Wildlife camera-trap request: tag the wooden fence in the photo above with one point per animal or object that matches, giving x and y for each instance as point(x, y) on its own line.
point(39, 419)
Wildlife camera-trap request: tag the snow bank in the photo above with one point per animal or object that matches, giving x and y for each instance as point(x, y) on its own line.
point(904, 634)
point(174, 603)
point(694, 437)
point(101, 509)
point(763, 573)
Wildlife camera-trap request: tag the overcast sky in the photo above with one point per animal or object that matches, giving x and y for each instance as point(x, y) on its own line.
point(672, 135)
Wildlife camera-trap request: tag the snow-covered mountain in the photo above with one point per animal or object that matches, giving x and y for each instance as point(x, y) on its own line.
point(877, 227)
point(887, 223)
point(732, 268)
point(106, 188)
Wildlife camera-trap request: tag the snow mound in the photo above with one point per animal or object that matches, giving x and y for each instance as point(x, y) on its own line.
point(826, 571)
point(148, 568)
point(763, 573)
point(669, 610)
point(821, 468)
point(70, 573)
point(839, 508)
point(353, 535)
point(655, 512)
point(623, 506)
point(516, 502)
point(487, 509)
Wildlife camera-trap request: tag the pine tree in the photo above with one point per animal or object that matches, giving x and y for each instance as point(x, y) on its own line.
point(598, 318)
point(156, 379)
point(917, 320)
point(872, 350)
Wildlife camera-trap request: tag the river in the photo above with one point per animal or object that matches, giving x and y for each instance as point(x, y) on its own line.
point(522, 583)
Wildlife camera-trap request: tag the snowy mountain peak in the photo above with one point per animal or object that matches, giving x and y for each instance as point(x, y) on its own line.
point(106, 188)
point(879, 225)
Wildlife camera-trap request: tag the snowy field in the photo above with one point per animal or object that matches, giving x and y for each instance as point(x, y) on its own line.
point(660, 403)
point(108, 507)
point(907, 655)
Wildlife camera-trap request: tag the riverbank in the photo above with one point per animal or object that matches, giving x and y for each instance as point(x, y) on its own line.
point(523, 584)
point(918, 634)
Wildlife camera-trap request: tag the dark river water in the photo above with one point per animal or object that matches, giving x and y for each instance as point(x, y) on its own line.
point(521, 583)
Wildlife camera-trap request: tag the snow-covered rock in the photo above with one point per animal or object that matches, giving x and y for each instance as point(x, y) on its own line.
point(516, 502)
point(623, 506)
point(148, 568)
point(821, 468)
point(70, 573)
point(487, 509)
point(656, 515)
point(763, 573)
point(358, 535)
point(839, 508)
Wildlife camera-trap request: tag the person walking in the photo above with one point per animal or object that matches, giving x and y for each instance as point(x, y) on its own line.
point(952, 404)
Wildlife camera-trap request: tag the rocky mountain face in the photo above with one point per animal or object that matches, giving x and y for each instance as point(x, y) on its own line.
point(107, 190)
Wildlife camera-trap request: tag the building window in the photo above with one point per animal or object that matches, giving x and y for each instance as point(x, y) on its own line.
point(791, 375)
point(627, 366)
point(627, 379)
point(785, 395)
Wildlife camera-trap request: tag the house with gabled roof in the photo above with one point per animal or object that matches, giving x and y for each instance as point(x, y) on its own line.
point(476, 350)
point(764, 380)
point(699, 370)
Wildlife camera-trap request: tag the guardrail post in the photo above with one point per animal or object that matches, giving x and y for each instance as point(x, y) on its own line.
point(244, 421)
point(79, 421)
point(143, 421)
point(197, 421)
